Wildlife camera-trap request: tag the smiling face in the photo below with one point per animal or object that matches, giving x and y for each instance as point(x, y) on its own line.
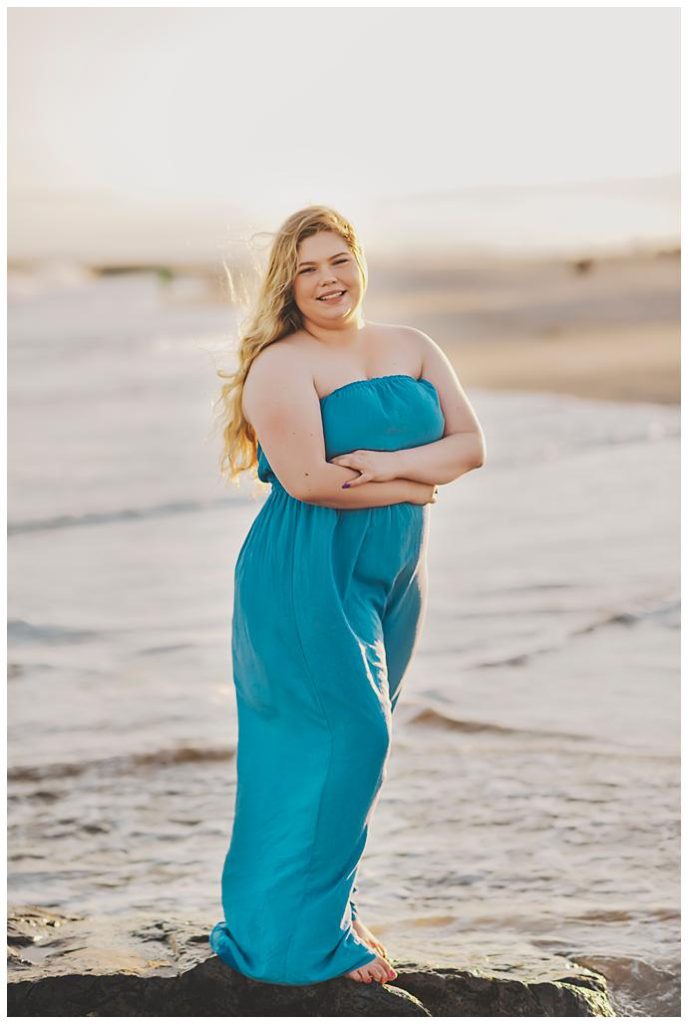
point(325, 264)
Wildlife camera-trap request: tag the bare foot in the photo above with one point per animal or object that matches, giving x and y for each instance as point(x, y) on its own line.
point(369, 938)
point(377, 970)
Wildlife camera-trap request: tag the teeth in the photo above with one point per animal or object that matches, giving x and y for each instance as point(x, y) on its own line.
point(330, 296)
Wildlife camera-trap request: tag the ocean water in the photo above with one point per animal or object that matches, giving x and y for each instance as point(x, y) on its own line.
point(531, 807)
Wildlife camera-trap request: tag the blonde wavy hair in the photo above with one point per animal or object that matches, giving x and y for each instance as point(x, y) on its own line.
point(274, 316)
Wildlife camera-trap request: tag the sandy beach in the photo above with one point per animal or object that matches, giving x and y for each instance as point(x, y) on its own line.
point(596, 327)
point(531, 810)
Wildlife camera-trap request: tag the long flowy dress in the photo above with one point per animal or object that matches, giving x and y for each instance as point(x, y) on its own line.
point(328, 608)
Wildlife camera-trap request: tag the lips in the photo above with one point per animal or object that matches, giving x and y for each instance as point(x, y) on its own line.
point(332, 296)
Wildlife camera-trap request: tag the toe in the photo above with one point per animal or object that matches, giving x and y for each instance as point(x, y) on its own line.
point(389, 971)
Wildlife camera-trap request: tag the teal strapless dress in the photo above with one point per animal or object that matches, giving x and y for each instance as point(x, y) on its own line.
point(328, 606)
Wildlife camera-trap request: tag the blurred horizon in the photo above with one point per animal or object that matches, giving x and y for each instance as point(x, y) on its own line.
point(604, 217)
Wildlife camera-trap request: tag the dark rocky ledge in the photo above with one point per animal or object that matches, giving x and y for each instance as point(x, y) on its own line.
point(65, 965)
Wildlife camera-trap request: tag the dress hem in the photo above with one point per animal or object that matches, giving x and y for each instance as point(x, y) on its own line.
point(297, 984)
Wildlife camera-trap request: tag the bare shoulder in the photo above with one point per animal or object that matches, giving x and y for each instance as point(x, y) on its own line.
point(430, 358)
point(436, 367)
point(408, 341)
point(271, 361)
point(280, 367)
point(421, 341)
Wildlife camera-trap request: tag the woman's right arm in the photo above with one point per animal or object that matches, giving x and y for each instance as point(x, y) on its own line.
point(381, 492)
point(283, 407)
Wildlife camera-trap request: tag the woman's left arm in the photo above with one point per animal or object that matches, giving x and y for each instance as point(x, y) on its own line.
point(461, 449)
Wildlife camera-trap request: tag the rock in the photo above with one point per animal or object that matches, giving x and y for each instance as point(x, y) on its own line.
point(64, 964)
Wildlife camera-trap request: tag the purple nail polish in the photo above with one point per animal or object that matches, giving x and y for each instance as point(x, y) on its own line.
point(345, 485)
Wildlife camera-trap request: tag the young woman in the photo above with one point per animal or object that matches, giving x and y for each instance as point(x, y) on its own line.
point(354, 424)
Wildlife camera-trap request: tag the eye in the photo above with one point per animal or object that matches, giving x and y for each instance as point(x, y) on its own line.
point(307, 270)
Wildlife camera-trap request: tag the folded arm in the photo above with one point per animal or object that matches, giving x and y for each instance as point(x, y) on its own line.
point(441, 461)
point(461, 449)
point(372, 495)
point(283, 407)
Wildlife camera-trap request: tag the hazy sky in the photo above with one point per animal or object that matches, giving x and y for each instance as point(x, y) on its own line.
point(269, 109)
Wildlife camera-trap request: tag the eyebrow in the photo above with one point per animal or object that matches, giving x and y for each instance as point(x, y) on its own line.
point(304, 263)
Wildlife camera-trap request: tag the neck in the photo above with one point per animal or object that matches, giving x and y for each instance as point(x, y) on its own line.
point(346, 335)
